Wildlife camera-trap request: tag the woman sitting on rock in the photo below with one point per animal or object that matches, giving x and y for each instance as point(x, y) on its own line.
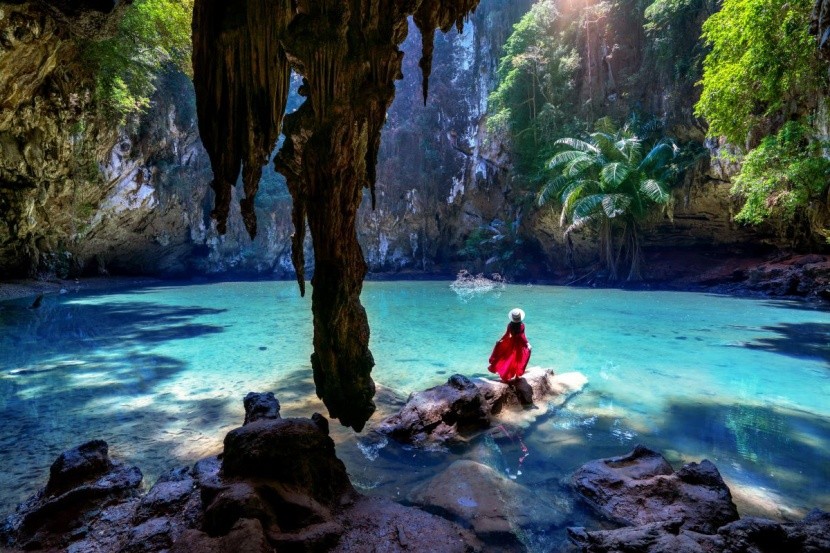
point(512, 352)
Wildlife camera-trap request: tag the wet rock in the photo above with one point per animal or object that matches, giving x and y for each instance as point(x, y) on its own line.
point(261, 406)
point(235, 502)
point(76, 465)
point(655, 537)
point(152, 535)
point(641, 488)
point(82, 482)
point(278, 486)
point(748, 535)
point(439, 414)
point(246, 536)
point(167, 496)
point(293, 452)
point(494, 507)
point(462, 407)
point(377, 524)
point(758, 535)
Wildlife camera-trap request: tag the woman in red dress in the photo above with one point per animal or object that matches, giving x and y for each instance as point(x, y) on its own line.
point(512, 352)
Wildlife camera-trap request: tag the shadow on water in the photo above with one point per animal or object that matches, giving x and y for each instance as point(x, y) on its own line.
point(799, 340)
point(78, 371)
point(763, 448)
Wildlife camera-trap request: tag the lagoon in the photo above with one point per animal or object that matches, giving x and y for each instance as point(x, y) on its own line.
point(159, 372)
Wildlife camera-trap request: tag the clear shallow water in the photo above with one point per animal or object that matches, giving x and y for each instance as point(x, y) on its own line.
point(159, 373)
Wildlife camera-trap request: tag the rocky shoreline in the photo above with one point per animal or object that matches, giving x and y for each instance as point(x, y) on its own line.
point(279, 486)
point(783, 275)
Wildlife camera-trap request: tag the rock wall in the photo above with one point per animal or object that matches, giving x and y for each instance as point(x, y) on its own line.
point(83, 196)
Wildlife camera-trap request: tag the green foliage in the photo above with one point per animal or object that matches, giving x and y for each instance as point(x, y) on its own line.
point(532, 105)
point(498, 245)
point(152, 35)
point(784, 174)
point(673, 29)
point(762, 61)
point(612, 181)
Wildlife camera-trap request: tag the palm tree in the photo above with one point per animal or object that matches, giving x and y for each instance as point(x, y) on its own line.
point(608, 184)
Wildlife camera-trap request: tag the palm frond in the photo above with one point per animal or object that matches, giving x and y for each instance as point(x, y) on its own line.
point(614, 173)
point(565, 157)
point(653, 189)
point(578, 167)
point(605, 144)
point(582, 222)
point(552, 188)
point(631, 148)
point(605, 125)
point(571, 195)
point(658, 156)
point(576, 144)
point(615, 205)
point(587, 205)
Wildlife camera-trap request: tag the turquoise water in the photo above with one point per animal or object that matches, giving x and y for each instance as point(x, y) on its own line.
point(159, 372)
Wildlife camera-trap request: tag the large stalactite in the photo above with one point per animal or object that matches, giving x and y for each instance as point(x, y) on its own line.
point(347, 52)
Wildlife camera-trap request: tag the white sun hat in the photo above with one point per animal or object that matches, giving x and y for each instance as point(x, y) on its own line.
point(517, 315)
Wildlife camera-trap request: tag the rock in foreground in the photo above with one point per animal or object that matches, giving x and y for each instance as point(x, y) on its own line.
point(641, 488)
point(748, 535)
point(494, 507)
point(462, 407)
point(82, 482)
point(278, 486)
point(688, 511)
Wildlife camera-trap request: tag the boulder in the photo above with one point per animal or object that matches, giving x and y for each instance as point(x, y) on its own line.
point(168, 496)
point(74, 466)
point(247, 536)
point(641, 488)
point(459, 409)
point(260, 406)
point(82, 481)
point(758, 535)
point(383, 526)
point(655, 537)
point(295, 453)
point(747, 535)
point(494, 507)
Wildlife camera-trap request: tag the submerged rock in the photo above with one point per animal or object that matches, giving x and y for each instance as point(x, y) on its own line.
point(462, 407)
point(494, 507)
point(641, 487)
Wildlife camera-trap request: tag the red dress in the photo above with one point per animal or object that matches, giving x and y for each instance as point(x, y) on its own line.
point(511, 354)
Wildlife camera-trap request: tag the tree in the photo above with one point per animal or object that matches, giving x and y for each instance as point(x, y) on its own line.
point(152, 35)
point(606, 183)
point(763, 63)
point(786, 179)
point(532, 106)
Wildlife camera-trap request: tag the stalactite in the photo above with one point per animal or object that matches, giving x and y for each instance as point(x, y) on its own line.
point(241, 77)
point(347, 52)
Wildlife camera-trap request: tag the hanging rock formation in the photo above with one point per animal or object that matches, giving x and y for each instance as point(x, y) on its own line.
point(347, 51)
